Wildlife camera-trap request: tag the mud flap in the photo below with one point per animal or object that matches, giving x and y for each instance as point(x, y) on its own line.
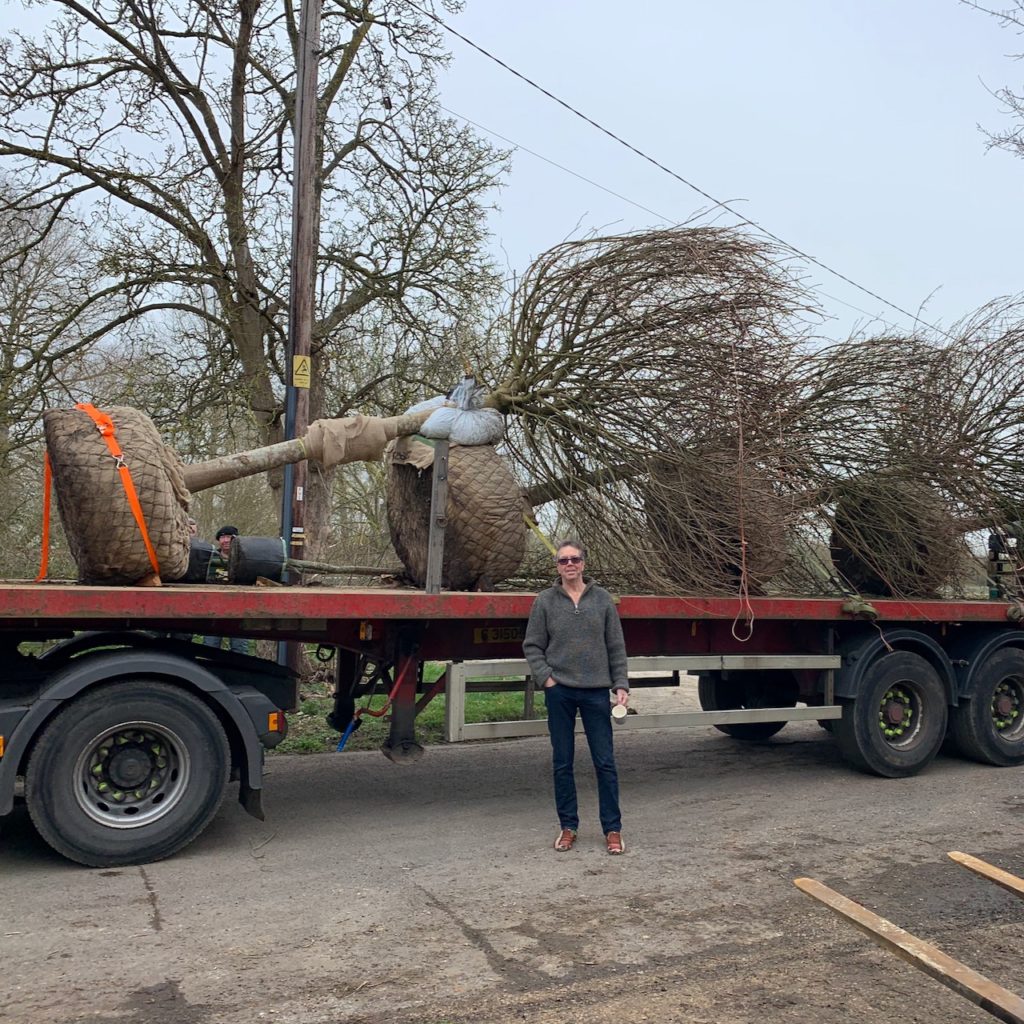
point(251, 801)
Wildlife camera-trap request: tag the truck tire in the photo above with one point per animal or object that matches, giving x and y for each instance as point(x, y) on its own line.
point(896, 724)
point(766, 689)
point(128, 773)
point(989, 727)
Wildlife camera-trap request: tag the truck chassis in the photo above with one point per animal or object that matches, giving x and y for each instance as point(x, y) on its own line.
point(125, 735)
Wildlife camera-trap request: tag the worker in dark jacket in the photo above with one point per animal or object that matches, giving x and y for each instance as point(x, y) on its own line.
point(576, 651)
point(218, 573)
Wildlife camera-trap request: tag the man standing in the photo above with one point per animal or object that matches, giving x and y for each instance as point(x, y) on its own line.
point(219, 562)
point(218, 573)
point(576, 651)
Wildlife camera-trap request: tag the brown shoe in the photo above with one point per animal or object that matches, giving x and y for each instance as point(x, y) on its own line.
point(613, 841)
point(566, 839)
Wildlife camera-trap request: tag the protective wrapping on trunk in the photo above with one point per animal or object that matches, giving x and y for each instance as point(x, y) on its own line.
point(356, 438)
point(102, 533)
point(485, 538)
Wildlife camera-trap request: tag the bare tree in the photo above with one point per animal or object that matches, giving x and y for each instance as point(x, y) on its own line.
point(51, 306)
point(1012, 138)
point(171, 124)
point(53, 312)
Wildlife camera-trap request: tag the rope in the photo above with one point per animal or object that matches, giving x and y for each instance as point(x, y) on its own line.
point(746, 609)
point(357, 717)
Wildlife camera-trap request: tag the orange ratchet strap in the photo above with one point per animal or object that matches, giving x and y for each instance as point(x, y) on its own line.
point(105, 425)
point(44, 561)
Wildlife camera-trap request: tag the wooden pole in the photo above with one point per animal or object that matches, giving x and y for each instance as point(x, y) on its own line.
point(303, 265)
point(301, 287)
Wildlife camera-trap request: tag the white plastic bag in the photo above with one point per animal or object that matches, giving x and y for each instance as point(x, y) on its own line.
point(459, 418)
point(430, 403)
point(465, 426)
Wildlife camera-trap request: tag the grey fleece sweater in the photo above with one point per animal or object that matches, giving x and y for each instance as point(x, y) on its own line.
point(580, 646)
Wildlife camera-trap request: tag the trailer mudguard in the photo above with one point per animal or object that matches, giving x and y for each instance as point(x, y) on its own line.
point(969, 652)
point(106, 666)
point(859, 653)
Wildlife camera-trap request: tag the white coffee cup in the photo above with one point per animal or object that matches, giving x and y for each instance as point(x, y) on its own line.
point(619, 712)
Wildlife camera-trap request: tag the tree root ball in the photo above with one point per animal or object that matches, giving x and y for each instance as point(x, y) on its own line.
point(485, 538)
point(894, 537)
point(713, 521)
point(105, 540)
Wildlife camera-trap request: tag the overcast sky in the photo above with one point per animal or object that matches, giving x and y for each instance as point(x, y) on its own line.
point(850, 128)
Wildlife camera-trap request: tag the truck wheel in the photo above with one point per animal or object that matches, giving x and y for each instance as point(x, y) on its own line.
point(897, 723)
point(990, 726)
point(128, 773)
point(747, 690)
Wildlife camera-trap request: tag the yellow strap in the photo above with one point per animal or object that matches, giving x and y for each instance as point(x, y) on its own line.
point(532, 524)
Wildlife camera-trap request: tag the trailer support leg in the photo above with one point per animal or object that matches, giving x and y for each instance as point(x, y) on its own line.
point(346, 676)
point(401, 746)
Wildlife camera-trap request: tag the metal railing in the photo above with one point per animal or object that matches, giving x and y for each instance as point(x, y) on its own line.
point(462, 676)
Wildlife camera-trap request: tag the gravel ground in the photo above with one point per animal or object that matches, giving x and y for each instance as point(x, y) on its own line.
point(430, 894)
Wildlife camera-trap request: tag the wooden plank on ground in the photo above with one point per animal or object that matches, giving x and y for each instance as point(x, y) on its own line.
point(989, 871)
point(998, 1001)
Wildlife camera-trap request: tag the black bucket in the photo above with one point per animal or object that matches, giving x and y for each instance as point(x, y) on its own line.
point(253, 557)
point(200, 554)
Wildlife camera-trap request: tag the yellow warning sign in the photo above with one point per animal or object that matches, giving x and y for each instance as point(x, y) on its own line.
point(300, 371)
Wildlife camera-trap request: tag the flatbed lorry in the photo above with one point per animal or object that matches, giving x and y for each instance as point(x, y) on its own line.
point(123, 734)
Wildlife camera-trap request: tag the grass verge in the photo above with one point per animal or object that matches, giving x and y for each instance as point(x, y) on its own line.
point(309, 733)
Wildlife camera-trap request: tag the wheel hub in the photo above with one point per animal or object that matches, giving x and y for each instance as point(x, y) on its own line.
point(1006, 706)
point(129, 767)
point(131, 776)
point(896, 713)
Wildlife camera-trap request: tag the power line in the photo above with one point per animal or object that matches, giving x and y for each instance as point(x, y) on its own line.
point(689, 184)
point(874, 317)
point(554, 163)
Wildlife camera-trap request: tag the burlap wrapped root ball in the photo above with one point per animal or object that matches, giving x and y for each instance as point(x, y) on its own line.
point(714, 523)
point(485, 538)
point(895, 536)
point(102, 533)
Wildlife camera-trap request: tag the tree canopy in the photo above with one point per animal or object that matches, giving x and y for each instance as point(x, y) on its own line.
point(170, 126)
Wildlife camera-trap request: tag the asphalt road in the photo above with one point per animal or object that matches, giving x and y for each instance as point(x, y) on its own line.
point(431, 894)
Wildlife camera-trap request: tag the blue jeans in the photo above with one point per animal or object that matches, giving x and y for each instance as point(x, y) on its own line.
point(238, 644)
point(594, 709)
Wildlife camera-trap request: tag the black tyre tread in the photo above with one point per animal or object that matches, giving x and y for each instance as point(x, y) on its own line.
point(857, 730)
point(970, 724)
point(709, 693)
point(54, 814)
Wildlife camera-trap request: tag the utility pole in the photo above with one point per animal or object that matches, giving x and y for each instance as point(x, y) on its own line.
point(302, 277)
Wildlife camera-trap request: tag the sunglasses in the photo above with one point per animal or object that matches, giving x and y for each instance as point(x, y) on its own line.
point(571, 560)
